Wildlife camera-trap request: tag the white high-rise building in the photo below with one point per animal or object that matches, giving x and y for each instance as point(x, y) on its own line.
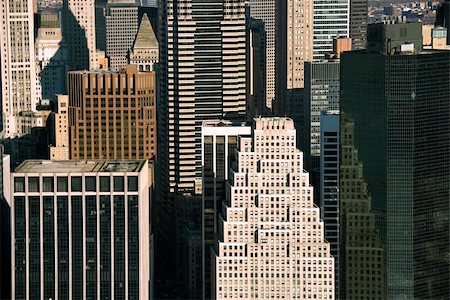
point(331, 19)
point(17, 64)
point(265, 10)
point(271, 243)
point(79, 31)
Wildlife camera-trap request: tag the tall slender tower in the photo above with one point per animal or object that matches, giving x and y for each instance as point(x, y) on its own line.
point(79, 30)
point(17, 65)
point(265, 10)
point(271, 243)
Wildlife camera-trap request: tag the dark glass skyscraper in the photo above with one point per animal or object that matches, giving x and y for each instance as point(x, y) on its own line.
point(399, 100)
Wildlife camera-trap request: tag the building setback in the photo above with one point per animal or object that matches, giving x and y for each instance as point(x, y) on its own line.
point(112, 114)
point(271, 242)
point(81, 230)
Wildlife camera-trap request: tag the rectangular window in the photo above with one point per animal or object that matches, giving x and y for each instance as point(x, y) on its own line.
point(48, 184)
point(104, 184)
point(118, 184)
point(75, 184)
point(19, 185)
point(132, 183)
point(33, 184)
point(62, 183)
point(90, 183)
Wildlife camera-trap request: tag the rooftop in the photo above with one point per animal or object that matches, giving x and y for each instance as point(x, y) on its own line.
point(81, 166)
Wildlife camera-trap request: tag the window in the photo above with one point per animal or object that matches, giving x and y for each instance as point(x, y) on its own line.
point(75, 184)
point(19, 184)
point(90, 183)
point(118, 184)
point(33, 184)
point(48, 184)
point(62, 183)
point(104, 184)
point(132, 184)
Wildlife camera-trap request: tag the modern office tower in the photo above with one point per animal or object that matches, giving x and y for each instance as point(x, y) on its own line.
point(401, 133)
point(362, 256)
point(205, 79)
point(294, 46)
point(219, 143)
point(358, 23)
point(256, 69)
point(79, 31)
point(5, 227)
point(265, 10)
point(59, 132)
point(112, 114)
point(17, 65)
point(192, 252)
point(51, 56)
point(145, 50)
point(121, 25)
point(81, 229)
point(271, 242)
point(331, 20)
point(329, 185)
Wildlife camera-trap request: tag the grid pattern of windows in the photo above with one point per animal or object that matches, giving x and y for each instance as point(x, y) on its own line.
point(271, 242)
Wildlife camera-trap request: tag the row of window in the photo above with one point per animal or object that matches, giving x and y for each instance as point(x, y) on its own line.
point(76, 184)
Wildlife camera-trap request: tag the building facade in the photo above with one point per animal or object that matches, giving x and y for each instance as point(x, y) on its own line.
point(331, 20)
point(112, 114)
point(403, 119)
point(358, 23)
point(59, 141)
point(79, 28)
point(17, 65)
point(80, 230)
point(145, 51)
point(219, 144)
point(271, 242)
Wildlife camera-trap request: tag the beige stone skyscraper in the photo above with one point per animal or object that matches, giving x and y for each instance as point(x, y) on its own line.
point(271, 243)
point(79, 30)
point(17, 66)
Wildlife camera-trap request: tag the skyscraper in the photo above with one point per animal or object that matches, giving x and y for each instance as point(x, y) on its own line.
point(401, 131)
point(271, 242)
point(17, 66)
point(219, 143)
point(329, 185)
point(120, 19)
point(51, 56)
point(81, 230)
point(361, 255)
point(145, 51)
point(79, 28)
point(59, 130)
point(331, 20)
point(358, 23)
point(112, 114)
point(265, 11)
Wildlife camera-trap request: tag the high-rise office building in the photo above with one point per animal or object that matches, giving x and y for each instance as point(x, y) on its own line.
point(401, 131)
point(331, 20)
point(112, 114)
point(361, 255)
point(5, 226)
point(17, 66)
point(79, 31)
point(205, 80)
point(81, 230)
point(120, 25)
point(443, 17)
point(358, 23)
point(329, 185)
point(293, 46)
point(219, 143)
point(145, 51)
point(271, 242)
point(51, 56)
point(264, 10)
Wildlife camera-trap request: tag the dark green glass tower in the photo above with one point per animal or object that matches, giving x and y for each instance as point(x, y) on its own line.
point(399, 99)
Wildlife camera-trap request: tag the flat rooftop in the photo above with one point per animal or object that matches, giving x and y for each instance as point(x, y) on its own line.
point(80, 166)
